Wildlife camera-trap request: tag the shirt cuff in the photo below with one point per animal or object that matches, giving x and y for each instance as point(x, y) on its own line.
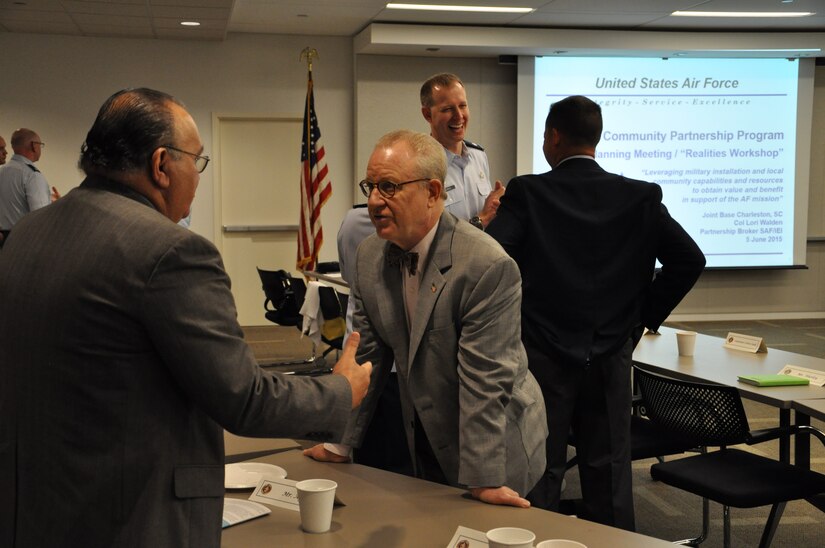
point(338, 448)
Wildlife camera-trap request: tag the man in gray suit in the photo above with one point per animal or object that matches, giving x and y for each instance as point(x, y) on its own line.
point(121, 357)
point(473, 413)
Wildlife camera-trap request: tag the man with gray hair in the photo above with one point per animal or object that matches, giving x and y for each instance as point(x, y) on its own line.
point(443, 299)
point(22, 187)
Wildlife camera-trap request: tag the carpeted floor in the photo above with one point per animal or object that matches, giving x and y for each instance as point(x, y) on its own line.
point(662, 511)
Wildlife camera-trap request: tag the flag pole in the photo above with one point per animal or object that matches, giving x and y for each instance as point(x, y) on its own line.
point(315, 184)
point(309, 53)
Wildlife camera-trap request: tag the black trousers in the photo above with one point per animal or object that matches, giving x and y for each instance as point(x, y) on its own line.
point(594, 402)
point(385, 445)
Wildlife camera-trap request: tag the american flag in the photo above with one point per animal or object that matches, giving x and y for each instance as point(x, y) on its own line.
point(315, 187)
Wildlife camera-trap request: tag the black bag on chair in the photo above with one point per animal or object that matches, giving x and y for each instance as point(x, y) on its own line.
point(283, 297)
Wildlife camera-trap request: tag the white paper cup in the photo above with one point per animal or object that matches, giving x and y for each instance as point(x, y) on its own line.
point(560, 543)
point(686, 341)
point(315, 500)
point(510, 537)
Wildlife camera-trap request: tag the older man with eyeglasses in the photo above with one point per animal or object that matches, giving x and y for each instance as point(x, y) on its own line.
point(23, 188)
point(444, 300)
point(121, 357)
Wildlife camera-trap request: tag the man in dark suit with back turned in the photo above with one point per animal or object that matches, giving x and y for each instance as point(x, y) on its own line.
point(586, 242)
point(121, 357)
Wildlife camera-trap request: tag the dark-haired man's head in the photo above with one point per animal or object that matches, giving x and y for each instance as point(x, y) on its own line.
point(146, 140)
point(573, 126)
point(130, 125)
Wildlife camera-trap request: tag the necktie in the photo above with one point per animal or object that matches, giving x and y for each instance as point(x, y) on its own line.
point(397, 257)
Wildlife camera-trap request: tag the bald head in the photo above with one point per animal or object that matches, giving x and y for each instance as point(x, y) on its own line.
point(428, 154)
point(26, 142)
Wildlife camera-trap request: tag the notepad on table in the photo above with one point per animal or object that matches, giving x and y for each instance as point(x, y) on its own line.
point(773, 380)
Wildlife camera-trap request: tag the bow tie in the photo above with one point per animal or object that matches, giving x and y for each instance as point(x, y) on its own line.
point(398, 257)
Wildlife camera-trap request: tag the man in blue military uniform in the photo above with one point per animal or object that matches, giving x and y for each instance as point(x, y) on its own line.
point(22, 187)
point(471, 194)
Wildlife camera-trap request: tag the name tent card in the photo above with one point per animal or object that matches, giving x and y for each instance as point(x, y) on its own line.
point(281, 493)
point(465, 537)
point(815, 377)
point(745, 343)
point(276, 492)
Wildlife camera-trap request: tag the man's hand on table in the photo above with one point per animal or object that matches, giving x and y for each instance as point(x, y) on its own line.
point(499, 495)
point(320, 453)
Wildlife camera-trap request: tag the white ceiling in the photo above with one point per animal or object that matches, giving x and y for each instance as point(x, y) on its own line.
point(161, 18)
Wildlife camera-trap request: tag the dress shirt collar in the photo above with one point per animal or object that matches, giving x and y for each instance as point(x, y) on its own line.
point(22, 159)
point(423, 247)
point(585, 156)
point(463, 154)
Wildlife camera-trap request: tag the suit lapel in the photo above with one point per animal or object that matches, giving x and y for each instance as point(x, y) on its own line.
point(432, 280)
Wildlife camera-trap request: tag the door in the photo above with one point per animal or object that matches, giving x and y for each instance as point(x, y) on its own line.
point(257, 203)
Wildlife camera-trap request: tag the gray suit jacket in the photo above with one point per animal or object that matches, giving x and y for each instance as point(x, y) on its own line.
point(461, 366)
point(121, 358)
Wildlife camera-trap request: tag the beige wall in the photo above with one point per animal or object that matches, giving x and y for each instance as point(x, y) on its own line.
point(387, 98)
point(66, 79)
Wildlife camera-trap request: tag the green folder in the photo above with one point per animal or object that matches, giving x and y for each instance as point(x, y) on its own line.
point(773, 380)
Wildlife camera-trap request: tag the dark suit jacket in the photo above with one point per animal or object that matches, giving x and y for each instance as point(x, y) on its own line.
point(461, 365)
point(586, 242)
point(121, 358)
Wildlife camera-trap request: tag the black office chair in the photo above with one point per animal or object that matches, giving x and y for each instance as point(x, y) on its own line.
point(284, 296)
point(710, 415)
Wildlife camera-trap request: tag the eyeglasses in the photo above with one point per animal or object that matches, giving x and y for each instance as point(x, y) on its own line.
point(41, 143)
point(387, 189)
point(200, 161)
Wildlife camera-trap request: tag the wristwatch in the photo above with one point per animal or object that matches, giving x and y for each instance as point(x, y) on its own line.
point(476, 222)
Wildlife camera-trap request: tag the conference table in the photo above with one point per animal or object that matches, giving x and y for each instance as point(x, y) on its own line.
point(713, 362)
point(386, 509)
point(333, 278)
point(812, 408)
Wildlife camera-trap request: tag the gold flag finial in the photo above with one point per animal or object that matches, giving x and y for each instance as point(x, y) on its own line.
point(309, 53)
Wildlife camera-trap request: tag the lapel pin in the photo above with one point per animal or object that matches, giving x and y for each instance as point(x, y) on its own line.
point(432, 288)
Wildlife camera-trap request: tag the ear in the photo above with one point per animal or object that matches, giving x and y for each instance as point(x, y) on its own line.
point(555, 136)
point(159, 165)
point(427, 113)
point(434, 187)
